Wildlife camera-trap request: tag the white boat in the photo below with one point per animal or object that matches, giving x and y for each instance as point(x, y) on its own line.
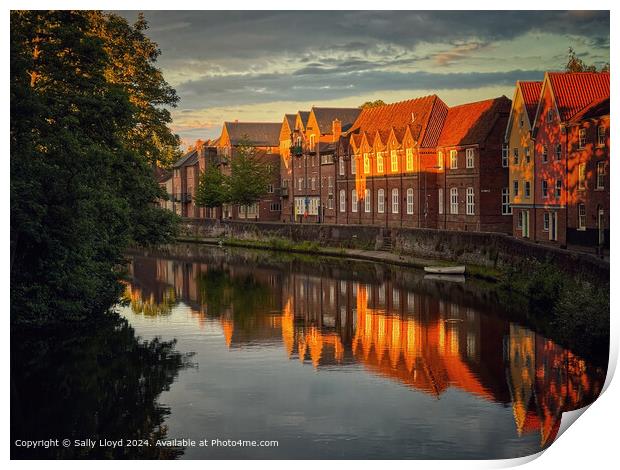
point(445, 269)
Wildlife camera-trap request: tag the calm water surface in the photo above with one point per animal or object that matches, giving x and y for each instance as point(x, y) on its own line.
point(333, 359)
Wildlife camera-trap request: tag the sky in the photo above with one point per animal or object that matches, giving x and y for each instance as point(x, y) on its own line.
point(259, 65)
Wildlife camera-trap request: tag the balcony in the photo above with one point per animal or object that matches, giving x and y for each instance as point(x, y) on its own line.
point(296, 150)
point(284, 192)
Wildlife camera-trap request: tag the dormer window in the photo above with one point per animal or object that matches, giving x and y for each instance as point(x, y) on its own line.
point(550, 115)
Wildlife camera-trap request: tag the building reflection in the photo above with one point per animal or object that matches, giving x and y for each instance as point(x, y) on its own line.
point(418, 340)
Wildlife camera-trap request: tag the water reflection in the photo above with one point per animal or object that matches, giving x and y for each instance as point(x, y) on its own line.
point(99, 383)
point(399, 328)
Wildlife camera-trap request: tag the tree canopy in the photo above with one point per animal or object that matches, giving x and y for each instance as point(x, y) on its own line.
point(372, 104)
point(250, 177)
point(84, 93)
point(576, 64)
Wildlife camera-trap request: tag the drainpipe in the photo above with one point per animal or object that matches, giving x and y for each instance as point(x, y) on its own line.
point(566, 184)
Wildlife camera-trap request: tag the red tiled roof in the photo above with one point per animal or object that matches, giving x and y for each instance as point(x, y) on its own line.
point(531, 94)
point(574, 91)
point(425, 111)
point(594, 109)
point(471, 123)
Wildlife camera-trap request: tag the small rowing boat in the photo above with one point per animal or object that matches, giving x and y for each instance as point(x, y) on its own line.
point(445, 269)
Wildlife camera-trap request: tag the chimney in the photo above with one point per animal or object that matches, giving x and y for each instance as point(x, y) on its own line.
point(336, 129)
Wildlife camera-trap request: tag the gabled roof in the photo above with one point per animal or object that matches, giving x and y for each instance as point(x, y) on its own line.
point(184, 160)
point(595, 109)
point(259, 134)
point(325, 117)
point(304, 115)
point(290, 119)
point(428, 111)
point(530, 91)
point(573, 91)
point(471, 123)
point(162, 175)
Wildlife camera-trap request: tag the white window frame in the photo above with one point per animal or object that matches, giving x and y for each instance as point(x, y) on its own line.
point(581, 216)
point(367, 201)
point(380, 162)
point(469, 158)
point(582, 138)
point(366, 164)
point(515, 188)
point(410, 201)
point(600, 175)
point(394, 161)
point(505, 151)
point(409, 159)
point(527, 154)
point(454, 160)
point(558, 189)
point(381, 201)
point(520, 220)
point(581, 185)
point(527, 189)
point(341, 166)
point(545, 154)
point(440, 160)
point(600, 136)
point(545, 221)
point(544, 189)
point(343, 200)
point(354, 203)
point(515, 156)
point(440, 199)
point(353, 164)
point(454, 201)
point(470, 208)
point(395, 201)
point(506, 207)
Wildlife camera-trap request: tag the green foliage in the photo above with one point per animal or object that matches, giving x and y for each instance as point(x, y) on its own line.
point(575, 64)
point(249, 177)
point(372, 104)
point(213, 188)
point(80, 190)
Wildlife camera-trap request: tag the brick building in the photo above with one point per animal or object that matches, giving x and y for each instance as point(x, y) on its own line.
point(286, 169)
point(519, 156)
point(570, 113)
point(472, 179)
point(264, 137)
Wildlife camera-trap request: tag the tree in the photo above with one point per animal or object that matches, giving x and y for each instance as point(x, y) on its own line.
point(372, 104)
point(81, 192)
point(249, 177)
point(575, 64)
point(213, 188)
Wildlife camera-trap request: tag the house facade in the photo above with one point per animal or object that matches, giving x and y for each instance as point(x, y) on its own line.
point(472, 178)
point(519, 157)
point(557, 150)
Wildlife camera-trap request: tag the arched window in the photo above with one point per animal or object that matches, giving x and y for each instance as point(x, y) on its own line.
point(410, 201)
point(379, 162)
point(343, 203)
point(354, 200)
point(395, 201)
point(367, 201)
point(381, 201)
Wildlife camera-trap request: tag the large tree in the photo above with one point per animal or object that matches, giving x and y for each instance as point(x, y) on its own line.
point(213, 188)
point(250, 175)
point(575, 64)
point(81, 190)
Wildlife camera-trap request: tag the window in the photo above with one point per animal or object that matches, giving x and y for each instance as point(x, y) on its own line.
point(300, 183)
point(582, 138)
point(525, 224)
point(312, 137)
point(515, 156)
point(582, 217)
point(341, 166)
point(394, 201)
point(381, 201)
point(394, 161)
point(550, 115)
point(313, 183)
point(600, 175)
point(330, 201)
point(440, 200)
point(600, 132)
point(379, 162)
point(582, 175)
point(440, 160)
point(409, 159)
point(515, 188)
point(367, 201)
point(353, 164)
point(521, 120)
point(327, 159)
point(546, 222)
point(454, 200)
point(505, 155)
point(527, 154)
point(354, 200)
point(270, 188)
point(545, 189)
point(453, 160)
point(558, 152)
point(343, 203)
point(275, 206)
point(469, 158)
point(545, 158)
point(526, 189)
point(470, 207)
point(520, 220)
point(366, 164)
point(330, 185)
point(506, 209)
point(410, 201)
point(558, 189)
